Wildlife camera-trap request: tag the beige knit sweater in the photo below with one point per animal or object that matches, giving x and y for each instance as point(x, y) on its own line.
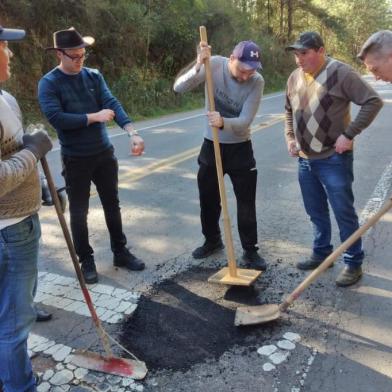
point(20, 191)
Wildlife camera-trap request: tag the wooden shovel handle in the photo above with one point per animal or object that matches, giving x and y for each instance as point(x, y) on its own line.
point(218, 161)
point(334, 255)
point(72, 252)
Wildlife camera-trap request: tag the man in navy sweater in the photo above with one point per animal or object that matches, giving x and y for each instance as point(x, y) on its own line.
point(78, 103)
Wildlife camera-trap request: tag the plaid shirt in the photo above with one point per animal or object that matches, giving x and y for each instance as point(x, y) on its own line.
point(318, 111)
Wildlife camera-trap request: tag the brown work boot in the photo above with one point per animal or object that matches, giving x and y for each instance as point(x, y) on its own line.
point(349, 276)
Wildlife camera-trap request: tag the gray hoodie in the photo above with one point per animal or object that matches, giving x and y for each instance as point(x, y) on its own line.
point(237, 102)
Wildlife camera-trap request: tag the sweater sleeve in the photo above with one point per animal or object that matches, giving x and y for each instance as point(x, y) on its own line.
point(240, 125)
point(361, 93)
point(189, 80)
point(109, 101)
point(289, 128)
point(15, 170)
point(51, 107)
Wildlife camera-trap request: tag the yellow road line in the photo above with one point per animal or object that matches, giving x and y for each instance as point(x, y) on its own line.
point(135, 174)
point(139, 173)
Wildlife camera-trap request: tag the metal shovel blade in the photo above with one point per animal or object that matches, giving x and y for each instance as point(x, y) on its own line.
point(113, 365)
point(248, 315)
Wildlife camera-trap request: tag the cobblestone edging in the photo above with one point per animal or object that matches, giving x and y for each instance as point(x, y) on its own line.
point(279, 353)
point(111, 304)
point(64, 376)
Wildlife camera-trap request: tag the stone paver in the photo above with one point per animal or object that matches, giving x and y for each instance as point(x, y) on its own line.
point(267, 350)
point(293, 337)
point(267, 367)
point(286, 345)
point(43, 387)
point(112, 304)
point(61, 354)
point(62, 377)
point(80, 373)
point(278, 357)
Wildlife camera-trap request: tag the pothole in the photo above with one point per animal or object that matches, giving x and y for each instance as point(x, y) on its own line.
point(187, 320)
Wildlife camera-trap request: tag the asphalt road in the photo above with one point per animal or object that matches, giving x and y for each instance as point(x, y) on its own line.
point(345, 343)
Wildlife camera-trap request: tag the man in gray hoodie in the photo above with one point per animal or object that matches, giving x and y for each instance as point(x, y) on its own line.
point(238, 89)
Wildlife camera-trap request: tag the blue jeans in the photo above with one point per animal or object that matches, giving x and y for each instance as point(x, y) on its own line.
point(330, 179)
point(18, 280)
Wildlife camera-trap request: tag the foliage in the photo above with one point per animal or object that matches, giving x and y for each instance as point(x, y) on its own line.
point(142, 44)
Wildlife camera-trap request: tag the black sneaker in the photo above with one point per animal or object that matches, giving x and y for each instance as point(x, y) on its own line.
point(349, 276)
point(253, 260)
point(89, 270)
point(38, 379)
point(207, 249)
point(312, 262)
point(42, 315)
point(126, 259)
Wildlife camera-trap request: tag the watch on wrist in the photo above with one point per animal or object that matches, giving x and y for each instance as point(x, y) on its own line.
point(131, 133)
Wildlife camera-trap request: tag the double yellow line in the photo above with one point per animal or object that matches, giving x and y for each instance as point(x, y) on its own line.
point(133, 174)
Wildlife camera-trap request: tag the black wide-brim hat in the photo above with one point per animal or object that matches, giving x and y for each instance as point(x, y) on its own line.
point(11, 34)
point(70, 39)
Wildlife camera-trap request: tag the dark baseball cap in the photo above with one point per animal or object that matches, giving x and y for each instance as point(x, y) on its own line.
point(307, 40)
point(248, 53)
point(11, 34)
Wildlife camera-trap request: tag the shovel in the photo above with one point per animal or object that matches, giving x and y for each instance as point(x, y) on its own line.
point(248, 315)
point(109, 364)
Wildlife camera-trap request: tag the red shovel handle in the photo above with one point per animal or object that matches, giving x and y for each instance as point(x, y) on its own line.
point(72, 252)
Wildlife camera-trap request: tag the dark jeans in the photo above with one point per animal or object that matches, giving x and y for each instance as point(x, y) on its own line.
point(324, 180)
point(102, 170)
point(238, 162)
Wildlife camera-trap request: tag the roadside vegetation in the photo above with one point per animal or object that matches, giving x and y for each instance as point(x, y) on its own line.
point(142, 44)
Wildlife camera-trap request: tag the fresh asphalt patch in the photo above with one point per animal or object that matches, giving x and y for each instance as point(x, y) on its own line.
point(186, 320)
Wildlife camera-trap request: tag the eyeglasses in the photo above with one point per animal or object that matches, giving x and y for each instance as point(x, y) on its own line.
point(75, 59)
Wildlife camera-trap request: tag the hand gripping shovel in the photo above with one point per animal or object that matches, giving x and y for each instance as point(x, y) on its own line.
point(109, 364)
point(248, 315)
point(230, 275)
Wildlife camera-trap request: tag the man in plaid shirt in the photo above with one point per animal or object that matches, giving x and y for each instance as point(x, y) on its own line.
point(320, 133)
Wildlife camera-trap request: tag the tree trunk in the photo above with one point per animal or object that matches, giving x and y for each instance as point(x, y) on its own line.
point(289, 19)
point(281, 18)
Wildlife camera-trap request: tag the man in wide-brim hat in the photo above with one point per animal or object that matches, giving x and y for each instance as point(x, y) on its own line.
point(70, 39)
point(78, 104)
